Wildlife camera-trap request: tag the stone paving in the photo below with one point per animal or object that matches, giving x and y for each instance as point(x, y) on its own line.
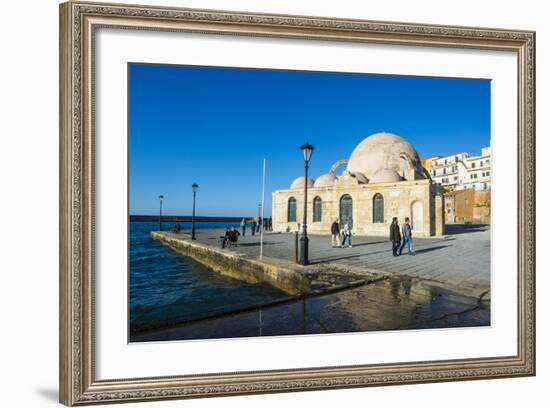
point(460, 259)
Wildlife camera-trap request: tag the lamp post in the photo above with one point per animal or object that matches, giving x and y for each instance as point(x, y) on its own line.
point(195, 187)
point(161, 198)
point(306, 149)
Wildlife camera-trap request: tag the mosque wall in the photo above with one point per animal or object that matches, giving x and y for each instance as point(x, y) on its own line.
point(402, 199)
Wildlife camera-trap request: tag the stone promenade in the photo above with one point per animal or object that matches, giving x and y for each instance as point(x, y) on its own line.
point(459, 260)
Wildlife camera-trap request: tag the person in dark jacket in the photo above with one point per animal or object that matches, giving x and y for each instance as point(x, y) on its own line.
point(407, 238)
point(254, 224)
point(335, 232)
point(395, 236)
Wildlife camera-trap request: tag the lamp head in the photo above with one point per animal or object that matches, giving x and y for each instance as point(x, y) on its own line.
point(307, 150)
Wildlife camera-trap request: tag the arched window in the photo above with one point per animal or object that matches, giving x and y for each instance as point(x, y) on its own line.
point(291, 210)
point(317, 209)
point(378, 208)
point(346, 209)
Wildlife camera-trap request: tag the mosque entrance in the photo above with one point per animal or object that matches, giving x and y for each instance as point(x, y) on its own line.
point(346, 210)
point(417, 216)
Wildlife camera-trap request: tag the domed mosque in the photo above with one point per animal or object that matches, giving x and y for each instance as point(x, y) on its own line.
point(383, 178)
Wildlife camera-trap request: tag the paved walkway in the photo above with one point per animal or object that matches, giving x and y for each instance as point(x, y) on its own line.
point(459, 259)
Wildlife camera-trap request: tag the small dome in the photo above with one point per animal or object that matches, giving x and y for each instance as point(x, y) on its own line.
point(300, 183)
point(326, 180)
point(361, 178)
point(385, 176)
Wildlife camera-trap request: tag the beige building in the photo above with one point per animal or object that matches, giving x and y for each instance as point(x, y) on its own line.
point(383, 179)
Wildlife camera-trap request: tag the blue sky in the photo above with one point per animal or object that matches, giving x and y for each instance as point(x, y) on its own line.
point(214, 126)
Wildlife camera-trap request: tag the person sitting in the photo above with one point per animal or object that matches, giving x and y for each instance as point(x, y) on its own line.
point(224, 239)
point(176, 229)
point(233, 236)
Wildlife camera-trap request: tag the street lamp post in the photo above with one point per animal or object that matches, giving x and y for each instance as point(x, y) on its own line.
point(195, 187)
point(307, 149)
point(161, 198)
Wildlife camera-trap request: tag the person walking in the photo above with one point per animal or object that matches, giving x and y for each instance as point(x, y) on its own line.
point(395, 236)
point(260, 220)
point(335, 232)
point(254, 223)
point(243, 226)
point(407, 237)
point(270, 223)
point(347, 234)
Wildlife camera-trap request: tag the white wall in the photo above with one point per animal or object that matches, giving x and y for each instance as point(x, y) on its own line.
point(28, 208)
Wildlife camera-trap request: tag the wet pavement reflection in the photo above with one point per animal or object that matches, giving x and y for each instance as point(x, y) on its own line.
point(396, 303)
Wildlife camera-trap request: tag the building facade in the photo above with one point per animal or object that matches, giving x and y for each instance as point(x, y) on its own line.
point(444, 170)
point(468, 206)
point(475, 171)
point(383, 179)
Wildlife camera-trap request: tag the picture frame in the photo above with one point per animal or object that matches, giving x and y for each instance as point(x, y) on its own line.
point(79, 22)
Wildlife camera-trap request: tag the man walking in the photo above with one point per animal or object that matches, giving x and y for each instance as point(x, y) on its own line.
point(395, 236)
point(335, 232)
point(254, 223)
point(407, 238)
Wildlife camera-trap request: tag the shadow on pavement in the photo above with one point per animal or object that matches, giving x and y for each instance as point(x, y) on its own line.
point(421, 251)
point(455, 229)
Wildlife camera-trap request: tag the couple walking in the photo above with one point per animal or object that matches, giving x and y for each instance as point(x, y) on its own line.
point(335, 232)
point(398, 244)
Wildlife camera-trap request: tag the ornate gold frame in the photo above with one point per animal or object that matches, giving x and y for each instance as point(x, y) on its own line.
point(78, 21)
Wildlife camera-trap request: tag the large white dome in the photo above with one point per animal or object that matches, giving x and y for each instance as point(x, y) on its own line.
point(300, 183)
point(382, 151)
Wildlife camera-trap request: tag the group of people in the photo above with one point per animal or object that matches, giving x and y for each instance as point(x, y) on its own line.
point(401, 236)
point(344, 234)
point(230, 237)
point(257, 224)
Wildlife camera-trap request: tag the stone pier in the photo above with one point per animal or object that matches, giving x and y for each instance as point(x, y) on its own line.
point(459, 261)
point(282, 274)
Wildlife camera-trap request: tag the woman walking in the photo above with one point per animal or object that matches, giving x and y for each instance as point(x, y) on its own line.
point(347, 234)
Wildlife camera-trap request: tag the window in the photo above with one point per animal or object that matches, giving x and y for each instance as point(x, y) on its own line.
point(378, 208)
point(487, 162)
point(317, 209)
point(291, 217)
point(444, 170)
point(346, 209)
point(473, 165)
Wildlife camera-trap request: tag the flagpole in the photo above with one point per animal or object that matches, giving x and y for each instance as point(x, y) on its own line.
point(262, 221)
